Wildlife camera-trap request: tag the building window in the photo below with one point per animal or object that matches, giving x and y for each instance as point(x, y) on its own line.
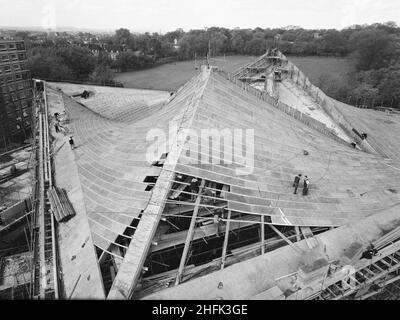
point(4, 58)
point(13, 56)
point(7, 69)
point(11, 46)
point(16, 67)
point(18, 77)
point(21, 56)
point(3, 47)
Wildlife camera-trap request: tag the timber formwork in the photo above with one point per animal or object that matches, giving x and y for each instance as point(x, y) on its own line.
point(154, 230)
point(44, 274)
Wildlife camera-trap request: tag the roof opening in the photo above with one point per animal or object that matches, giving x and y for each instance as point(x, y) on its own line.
point(150, 179)
point(149, 187)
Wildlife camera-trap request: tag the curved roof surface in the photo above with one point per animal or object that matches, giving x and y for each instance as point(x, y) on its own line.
point(383, 128)
point(111, 159)
point(346, 184)
point(119, 104)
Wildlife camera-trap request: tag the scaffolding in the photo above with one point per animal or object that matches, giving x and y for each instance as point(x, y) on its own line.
point(44, 276)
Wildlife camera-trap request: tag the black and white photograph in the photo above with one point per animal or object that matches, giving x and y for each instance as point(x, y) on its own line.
point(199, 157)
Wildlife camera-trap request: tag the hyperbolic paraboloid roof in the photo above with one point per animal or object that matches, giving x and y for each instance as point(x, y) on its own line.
point(347, 184)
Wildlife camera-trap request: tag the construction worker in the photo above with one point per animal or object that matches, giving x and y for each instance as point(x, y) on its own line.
point(72, 143)
point(194, 187)
point(56, 126)
point(13, 169)
point(208, 194)
point(296, 183)
point(370, 252)
point(85, 94)
point(306, 185)
point(218, 216)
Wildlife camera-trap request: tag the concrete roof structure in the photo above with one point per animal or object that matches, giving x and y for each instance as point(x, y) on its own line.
point(382, 126)
point(257, 278)
point(127, 204)
point(124, 105)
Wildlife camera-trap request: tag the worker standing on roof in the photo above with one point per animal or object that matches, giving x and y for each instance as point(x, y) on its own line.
point(370, 252)
point(296, 183)
point(306, 185)
point(194, 187)
point(72, 143)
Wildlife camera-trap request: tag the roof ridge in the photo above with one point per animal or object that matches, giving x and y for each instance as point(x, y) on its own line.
point(131, 267)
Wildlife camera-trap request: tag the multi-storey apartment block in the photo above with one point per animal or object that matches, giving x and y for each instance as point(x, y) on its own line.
point(15, 93)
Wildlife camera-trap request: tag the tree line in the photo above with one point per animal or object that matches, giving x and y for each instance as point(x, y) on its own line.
point(374, 80)
point(373, 50)
point(290, 41)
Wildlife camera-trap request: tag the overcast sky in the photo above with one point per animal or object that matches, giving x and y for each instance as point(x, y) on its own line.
point(167, 15)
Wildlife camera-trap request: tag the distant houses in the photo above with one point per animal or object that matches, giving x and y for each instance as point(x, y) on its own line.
point(176, 46)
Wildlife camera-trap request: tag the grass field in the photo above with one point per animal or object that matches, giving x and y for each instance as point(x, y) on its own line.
point(173, 75)
point(314, 67)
